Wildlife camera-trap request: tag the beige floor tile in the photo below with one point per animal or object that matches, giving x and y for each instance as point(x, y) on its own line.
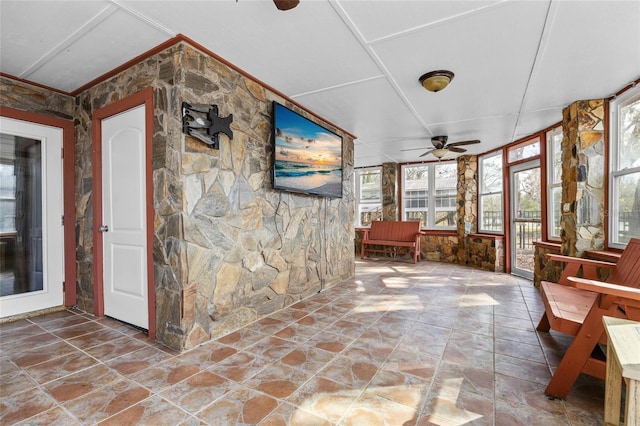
point(423, 344)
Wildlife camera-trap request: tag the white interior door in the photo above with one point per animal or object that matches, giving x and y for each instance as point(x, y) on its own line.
point(124, 225)
point(31, 208)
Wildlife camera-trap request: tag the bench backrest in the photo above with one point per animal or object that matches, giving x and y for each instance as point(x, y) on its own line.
point(394, 230)
point(627, 269)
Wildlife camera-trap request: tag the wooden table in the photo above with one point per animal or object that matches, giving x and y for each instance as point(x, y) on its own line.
point(623, 361)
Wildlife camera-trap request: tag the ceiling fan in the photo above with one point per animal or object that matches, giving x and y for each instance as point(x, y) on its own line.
point(286, 4)
point(442, 148)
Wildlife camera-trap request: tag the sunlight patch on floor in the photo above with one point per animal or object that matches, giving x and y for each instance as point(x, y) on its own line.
point(480, 299)
point(447, 405)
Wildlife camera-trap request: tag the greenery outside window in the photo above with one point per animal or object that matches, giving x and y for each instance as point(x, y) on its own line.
point(624, 183)
point(490, 193)
point(429, 194)
point(554, 182)
point(368, 195)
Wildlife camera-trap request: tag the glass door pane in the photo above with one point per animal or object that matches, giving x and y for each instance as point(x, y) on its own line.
point(31, 230)
point(21, 264)
point(526, 218)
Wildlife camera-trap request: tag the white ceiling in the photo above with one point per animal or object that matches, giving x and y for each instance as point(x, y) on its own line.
point(356, 63)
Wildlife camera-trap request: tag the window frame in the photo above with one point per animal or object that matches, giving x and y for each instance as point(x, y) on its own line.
point(357, 192)
point(433, 195)
point(517, 153)
point(481, 194)
point(615, 172)
point(552, 184)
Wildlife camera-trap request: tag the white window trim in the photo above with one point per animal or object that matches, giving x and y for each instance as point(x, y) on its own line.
point(614, 173)
point(431, 201)
point(358, 172)
point(481, 194)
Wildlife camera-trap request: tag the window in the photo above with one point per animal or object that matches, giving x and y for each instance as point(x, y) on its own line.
point(7, 199)
point(554, 182)
point(624, 184)
point(368, 195)
point(524, 150)
point(490, 193)
point(429, 194)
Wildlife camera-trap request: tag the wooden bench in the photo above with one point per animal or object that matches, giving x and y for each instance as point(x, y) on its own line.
point(393, 233)
point(576, 306)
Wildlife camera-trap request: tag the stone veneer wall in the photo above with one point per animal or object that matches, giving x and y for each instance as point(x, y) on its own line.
point(467, 195)
point(440, 248)
point(30, 98)
point(227, 248)
point(390, 205)
point(485, 252)
point(480, 251)
point(543, 268)
point(583, 169)
point(583, 190)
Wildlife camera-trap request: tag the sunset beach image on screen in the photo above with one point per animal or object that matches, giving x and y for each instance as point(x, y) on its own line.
point(308, 157)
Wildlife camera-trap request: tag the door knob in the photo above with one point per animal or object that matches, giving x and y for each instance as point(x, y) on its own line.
point(104, 228)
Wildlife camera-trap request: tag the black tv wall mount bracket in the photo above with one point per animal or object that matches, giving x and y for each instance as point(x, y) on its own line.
point(202, 122)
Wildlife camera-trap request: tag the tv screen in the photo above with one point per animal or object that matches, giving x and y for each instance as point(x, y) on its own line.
point(307, 157)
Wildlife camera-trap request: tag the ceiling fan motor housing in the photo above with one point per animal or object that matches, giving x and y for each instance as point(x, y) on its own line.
point(439, 141)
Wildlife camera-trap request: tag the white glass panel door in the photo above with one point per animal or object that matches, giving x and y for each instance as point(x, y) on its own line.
point(31, 232)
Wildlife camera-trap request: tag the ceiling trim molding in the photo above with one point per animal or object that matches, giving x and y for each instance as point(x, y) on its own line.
point(159, 48)
point(32, 83)
point(631, 85)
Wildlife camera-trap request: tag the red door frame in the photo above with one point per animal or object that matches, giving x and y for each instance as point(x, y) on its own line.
point(68, 182)
point(144, 97)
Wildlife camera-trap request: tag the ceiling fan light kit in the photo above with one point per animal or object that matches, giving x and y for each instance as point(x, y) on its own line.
point(439, 153)
point(435, 81)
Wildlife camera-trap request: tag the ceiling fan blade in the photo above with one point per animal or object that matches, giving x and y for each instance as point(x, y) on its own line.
point(469, 142)
point(412, 149)
point(425, 153)
point(455, 149)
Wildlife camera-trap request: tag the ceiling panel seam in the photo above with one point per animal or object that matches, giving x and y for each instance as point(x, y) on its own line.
point(358, 35)
point(542, 43)
point(338, 86)
point(69, 41)
point(466, 120)
point(448, 19)
point(139, 16)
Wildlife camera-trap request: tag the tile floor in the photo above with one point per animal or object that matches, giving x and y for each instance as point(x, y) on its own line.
point(400, 344)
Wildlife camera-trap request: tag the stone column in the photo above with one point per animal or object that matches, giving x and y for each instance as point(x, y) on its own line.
point(467, 199)
point(583, 170)
point(390, 207)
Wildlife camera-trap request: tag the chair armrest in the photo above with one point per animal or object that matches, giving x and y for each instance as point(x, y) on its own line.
point(606, 288)
point(580, 260)
point(365, 232)
point(573, 265)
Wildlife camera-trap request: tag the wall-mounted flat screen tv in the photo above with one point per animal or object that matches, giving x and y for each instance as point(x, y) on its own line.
point(307, 157)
